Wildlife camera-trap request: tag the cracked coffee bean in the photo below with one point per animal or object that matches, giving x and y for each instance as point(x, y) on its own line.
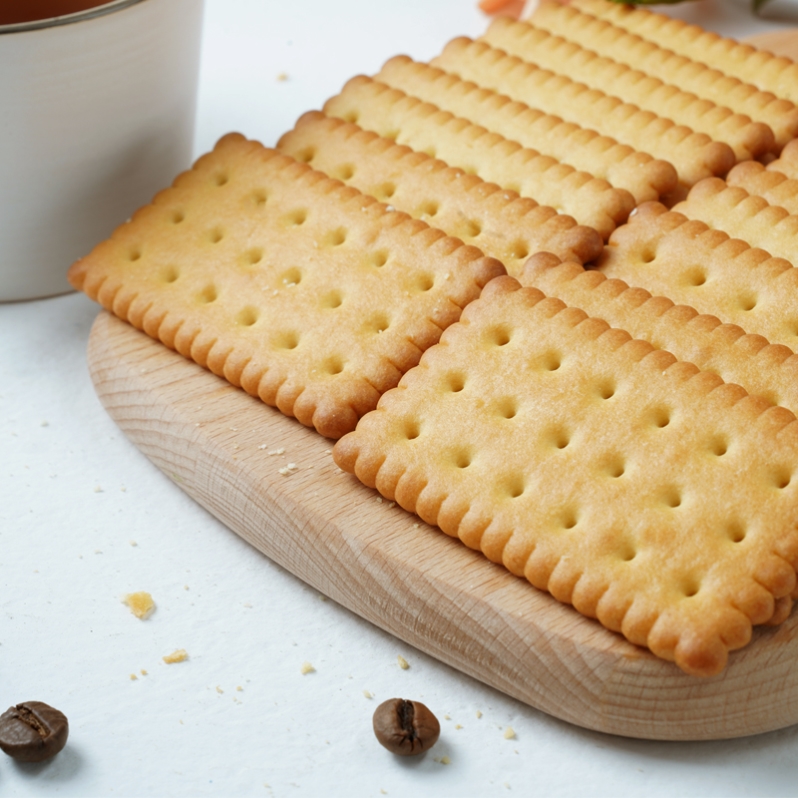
point(405, 727)
point(33, 731)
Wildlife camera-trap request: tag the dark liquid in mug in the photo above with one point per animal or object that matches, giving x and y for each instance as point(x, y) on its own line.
point(15, 11)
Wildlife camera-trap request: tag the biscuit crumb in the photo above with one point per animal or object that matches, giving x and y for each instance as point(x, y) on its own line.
point(392, 504)
point(274, 452)
point(219, 689)
point(239, 689)
point(143, 672)
point(247, 605)
point(444, 760)
point(416, 526)
point(509, 733)
point(282, 76)
point(291, 468)
point(133, 543)
point(403, 663)
point(181, 655)
point(133, 677)
point(368, 694)
point(479, 714)
point(458, 726)
point(307, 668)
point(98, 489)
point(447, 717)
point(141, 604)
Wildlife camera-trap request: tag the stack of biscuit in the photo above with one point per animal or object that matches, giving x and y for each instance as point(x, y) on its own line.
point(548, 277)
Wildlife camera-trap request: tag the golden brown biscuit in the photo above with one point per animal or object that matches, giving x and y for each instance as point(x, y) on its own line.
point(645, 492)
point(776, 120)
point(502, 224)
point(748, 139)
point(694, 155)
point(621, 166)
point(693, 264)
point(289, 284)
point(764, 70)
point(424, 127)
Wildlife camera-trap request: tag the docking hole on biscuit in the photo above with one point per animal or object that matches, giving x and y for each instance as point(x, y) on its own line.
point(514, 486)
point(473, 228)
point(690, 587)
point(306, 154)
point(648, 255)
point(332, 300)
point(207, 295)
point(747, 302)
point(672, 497)
point(134, 254)
point(291, 278)
point(718, 446)
point(378, 259)
point(253, 256)
point(176, 217)
point(424, 282)
point(569, 518)
point(169, 274)
point(606, 390)
point(498, 336)
point(220, 179)
point(560, 438)
point(696, 276)
point(247, 317)
point(735, 532)
point(378, 323)
point(428, 208)
point(462, 458)
point(412, 429)
point(660, 417)
point(781, 477)
point(260, 197)
point(215, 235)
point(628, 552)
point(616, 467)
point(507, 407)
point(551, 361)
point(335, 237)
point(333, 365)
point(385, 191)
point(519, 250)
point(343, 172)
point(286, 339)
point(454, 381)
point(351, 117)
point(296, 217)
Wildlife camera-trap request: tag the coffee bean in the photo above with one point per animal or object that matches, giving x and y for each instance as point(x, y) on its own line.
point(33, 731)
point(405, 727)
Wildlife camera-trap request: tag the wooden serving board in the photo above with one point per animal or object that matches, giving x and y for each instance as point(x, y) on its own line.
point(409, 578)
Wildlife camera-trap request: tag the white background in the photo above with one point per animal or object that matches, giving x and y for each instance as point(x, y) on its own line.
point(75, 494)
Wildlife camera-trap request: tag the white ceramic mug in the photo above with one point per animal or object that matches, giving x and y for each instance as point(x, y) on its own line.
point(96, 115)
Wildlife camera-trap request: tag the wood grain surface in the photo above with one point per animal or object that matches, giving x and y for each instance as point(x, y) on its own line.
point(409, 578)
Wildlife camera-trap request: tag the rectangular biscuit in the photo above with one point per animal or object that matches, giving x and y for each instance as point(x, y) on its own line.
point(746, 359)
point(693, 155)
point(772, 185)
point(425, 128)
point(620, 165)
point(760, 68)
point(776, 120)
point(499, 222)
point(748, 217)
point(304, 292)
point(748, 139)
point(693, 264)
point(645, 492)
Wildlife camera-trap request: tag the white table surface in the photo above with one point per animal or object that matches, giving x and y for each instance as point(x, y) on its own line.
point(75, 496)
